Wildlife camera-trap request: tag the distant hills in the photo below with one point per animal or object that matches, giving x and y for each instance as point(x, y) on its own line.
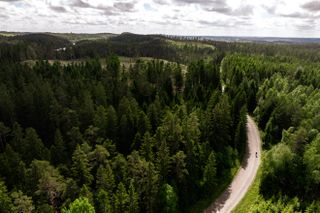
point(69, 46)
point(261, 39)
point(28, 46)
point(75, 37)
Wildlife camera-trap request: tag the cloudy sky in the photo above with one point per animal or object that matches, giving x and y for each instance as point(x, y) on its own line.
point(279, 18)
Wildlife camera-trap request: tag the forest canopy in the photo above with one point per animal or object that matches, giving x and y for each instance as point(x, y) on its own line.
point(151, 136)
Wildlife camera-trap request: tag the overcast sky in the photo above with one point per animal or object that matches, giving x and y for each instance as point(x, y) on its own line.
point(279, 18)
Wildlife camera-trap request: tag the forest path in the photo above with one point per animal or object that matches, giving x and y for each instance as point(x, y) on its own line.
point(245, 176)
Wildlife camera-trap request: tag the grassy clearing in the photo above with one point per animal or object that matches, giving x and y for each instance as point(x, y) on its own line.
point(183, 66)
point(7, 34)
point(62, 62)
point(124, 61)
point(251, 196)
point(83, 36)
point(181, 44)
point(203, 204)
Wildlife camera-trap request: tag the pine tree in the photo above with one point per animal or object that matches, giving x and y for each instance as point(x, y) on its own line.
point(34, 148)
point(172, 131)
point(17, 142)
point(81, 167)
point(100, 95)
point(105, 178)
point(112, 122)
point(87, 109)
point(179, 166)
point(101, 121)
point(147, 147)
point(12, 167)
point(210, 173)
point(163, 160)
point(143, 123)
point(121, 199)
point(169, 199)
point(150, 188)
point(4, 131)
point(6, 104)
point(99, 156)
point(103, 202)
point(85, 192)
point(219, 124)
point(58, 149)
point(133, 199)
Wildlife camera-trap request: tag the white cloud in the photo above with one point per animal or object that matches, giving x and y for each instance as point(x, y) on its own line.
point(294, 18)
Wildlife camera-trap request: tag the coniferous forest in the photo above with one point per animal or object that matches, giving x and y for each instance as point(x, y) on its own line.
point(154, 136)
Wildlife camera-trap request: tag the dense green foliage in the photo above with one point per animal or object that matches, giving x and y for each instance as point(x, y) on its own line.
point(149, 138)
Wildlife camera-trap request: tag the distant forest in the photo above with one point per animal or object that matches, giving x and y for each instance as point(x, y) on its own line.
point(153, 137)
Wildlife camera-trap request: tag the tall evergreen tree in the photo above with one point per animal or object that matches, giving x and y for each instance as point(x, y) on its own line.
point(210, 173)
point(103, 202)
point(105, 179)
point(81, 168)
point(58, 149)
point(34, 148)
point(133, 199)
point(121, 199)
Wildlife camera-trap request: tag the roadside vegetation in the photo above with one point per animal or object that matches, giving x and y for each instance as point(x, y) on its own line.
point(286, 109)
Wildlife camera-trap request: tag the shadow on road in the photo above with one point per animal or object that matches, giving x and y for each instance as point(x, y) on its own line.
point(220, 202)
point(246, 156)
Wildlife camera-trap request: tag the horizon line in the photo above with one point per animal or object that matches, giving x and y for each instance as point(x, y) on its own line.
point(216, 36)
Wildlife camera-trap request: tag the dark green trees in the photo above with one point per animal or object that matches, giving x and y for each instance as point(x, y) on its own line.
point(33, 148)
point(210, 173)
point(121, 199)
point(59, 149)
point(169, 199)
point(153, 136)
point(81, 168)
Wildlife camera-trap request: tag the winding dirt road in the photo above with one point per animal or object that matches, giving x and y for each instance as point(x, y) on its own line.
point(245, 176)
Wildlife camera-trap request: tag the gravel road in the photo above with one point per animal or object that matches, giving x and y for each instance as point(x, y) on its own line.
point(245, 176)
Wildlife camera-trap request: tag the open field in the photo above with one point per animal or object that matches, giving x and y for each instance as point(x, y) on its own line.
point(9, 34)
point(125, 61)
point(182, 44)
point(73, 37)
